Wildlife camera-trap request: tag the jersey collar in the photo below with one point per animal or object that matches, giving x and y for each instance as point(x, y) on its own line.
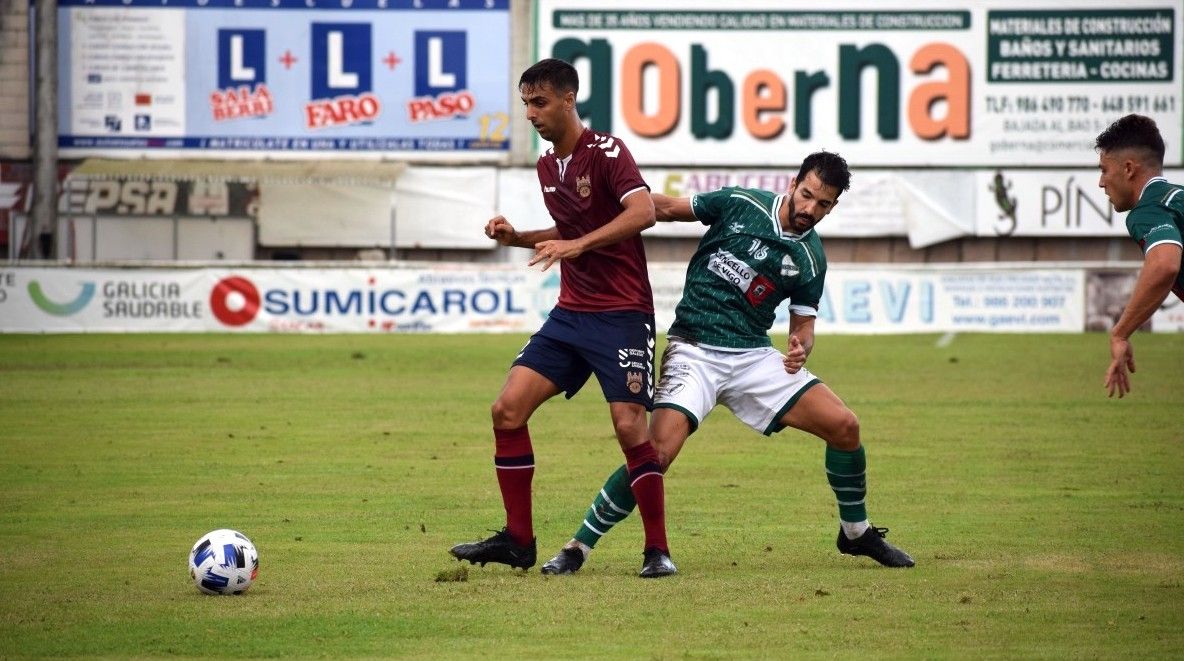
point(1148, 185)
point(778, 202)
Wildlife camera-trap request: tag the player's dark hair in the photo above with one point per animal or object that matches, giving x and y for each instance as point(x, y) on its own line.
point(830, 168)
point(1133, 132)
point(557, 74)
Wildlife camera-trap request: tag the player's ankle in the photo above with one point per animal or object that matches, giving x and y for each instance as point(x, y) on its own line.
point(583, 548)
point(853, 529)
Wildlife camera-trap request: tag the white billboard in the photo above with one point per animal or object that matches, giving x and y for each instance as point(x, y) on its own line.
point(1066, 203)
point(919, 83)
point(465, 299)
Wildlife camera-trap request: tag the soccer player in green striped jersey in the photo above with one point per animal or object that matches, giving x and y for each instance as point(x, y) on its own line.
point(760, 249)
point(1130, 157)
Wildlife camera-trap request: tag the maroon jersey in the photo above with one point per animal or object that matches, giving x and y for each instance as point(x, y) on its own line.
point(582, 193)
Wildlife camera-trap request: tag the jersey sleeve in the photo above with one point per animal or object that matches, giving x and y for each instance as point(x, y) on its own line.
point(1151, 226)
point(805, 299)
point(619, 167)
point(709, 207)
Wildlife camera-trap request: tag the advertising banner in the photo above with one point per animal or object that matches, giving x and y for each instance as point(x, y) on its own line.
point(927, 206)
point(1047, 203)
point(1107, 292)
point(512, 299)
point(921, 83)
point(951, 300)
point(1169, 317)
point(427, 79)
point(274, 300)
point(871, 208)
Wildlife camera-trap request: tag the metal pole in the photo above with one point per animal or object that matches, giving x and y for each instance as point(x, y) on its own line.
point(522, 17)
point(45, 135)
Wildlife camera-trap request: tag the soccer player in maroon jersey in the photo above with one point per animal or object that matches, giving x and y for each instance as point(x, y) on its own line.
point(603, 323)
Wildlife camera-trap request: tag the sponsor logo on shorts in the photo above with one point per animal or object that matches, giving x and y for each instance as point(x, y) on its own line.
point(638, 359)
point(668, 389)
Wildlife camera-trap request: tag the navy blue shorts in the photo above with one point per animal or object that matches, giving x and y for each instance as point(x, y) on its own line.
point(618, 347)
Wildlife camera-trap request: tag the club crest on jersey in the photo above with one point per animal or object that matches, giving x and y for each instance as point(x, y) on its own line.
point(633, 382)
point(584, 185)
point(788, 268)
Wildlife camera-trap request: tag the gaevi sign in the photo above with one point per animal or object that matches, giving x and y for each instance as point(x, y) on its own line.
point(892, 83)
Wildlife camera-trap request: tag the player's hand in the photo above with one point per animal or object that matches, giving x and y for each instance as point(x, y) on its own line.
point(499, 229)
point(796, 356)
point(549, 252)
point(1122, 358)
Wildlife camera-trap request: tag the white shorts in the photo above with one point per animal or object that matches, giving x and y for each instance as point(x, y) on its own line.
point(752, 383)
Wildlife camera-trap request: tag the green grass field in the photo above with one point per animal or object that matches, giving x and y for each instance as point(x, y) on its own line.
point(1046, 520)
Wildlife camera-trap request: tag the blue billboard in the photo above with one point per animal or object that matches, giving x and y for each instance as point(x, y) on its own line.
point(419, 77)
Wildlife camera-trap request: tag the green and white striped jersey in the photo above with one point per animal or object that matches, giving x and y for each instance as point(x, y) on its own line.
point(1158, 217)
point(745, 265)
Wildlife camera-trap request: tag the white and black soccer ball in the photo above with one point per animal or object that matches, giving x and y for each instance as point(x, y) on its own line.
point(223, 561)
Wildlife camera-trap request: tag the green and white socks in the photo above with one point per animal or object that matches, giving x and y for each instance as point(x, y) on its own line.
point(847, 474)
point(614, 502)
point(845, 471)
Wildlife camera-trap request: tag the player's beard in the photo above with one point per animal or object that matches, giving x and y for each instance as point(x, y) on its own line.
point(795, 218)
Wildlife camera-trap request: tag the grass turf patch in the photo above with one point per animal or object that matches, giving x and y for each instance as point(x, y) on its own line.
point(1043, 516)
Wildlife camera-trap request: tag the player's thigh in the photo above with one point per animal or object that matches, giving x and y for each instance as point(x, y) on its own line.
point(820, 412)
point(523, 392)
point(760, 392)
point(619, 347)
point(554, 353)
point(690, 382)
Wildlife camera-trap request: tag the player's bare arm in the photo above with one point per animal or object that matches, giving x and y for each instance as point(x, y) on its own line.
point(638, 215)
point(500, 230)
point(1160, 268)
point(801, 342)
point(668, 209)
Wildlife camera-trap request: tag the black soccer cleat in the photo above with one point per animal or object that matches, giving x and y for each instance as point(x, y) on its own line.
point(657, 563)
point(499, 548)
point(568, 561)
point(872, 544)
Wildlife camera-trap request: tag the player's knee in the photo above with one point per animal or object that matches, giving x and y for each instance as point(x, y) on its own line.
point(664, 457)
point(845, 435)
point(506, 415)
point(628, 430)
